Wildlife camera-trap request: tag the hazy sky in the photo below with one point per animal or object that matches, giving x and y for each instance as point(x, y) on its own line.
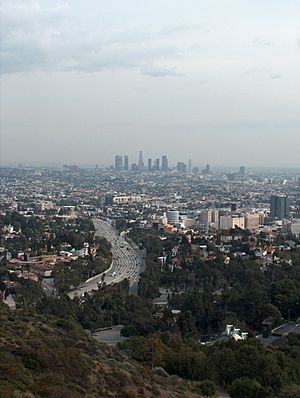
point(214, 80)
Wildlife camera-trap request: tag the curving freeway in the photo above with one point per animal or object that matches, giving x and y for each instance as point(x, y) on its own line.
point(127, 261)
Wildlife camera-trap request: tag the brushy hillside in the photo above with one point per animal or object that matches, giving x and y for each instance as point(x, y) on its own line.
point(50, 357)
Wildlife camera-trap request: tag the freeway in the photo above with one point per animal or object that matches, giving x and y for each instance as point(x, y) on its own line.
point(127, 262)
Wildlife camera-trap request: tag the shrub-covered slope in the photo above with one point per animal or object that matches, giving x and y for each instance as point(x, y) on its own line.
point(51, 357)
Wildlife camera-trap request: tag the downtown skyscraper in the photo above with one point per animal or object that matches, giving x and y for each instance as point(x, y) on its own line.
point(118, 162)
point(164, 163)
point(141, 161)
point(126, 163)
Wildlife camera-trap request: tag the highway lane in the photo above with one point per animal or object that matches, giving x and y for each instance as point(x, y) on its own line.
point(127, 261)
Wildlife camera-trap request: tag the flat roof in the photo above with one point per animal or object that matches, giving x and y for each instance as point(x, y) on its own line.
point(289, 327)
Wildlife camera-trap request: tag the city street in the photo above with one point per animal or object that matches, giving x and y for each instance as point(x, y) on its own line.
point(127, 262)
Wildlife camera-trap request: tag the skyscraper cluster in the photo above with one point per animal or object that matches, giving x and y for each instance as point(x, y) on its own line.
point(122, 163)
point(162, 165)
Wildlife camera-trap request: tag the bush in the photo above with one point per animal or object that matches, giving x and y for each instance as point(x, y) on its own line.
point(290, 392)
point(207, 388)
point(246, 388)
point(128, 394)
point(129, 331)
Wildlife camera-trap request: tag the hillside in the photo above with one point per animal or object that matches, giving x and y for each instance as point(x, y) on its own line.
point(52, 358)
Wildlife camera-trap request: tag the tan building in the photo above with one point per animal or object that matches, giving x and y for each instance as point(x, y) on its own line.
point(119, 200)
point(209, 216)
point(229, 221)
point(253, 221)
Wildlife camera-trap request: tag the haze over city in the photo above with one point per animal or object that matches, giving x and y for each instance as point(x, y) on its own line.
point(215, 82)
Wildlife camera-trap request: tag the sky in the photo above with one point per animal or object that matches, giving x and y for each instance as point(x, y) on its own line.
point(215, 81)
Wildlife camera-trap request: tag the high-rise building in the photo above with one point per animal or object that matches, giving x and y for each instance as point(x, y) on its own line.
point(164, 163)
point(229, 221)
point(190, 166)
point(173, 217)
point(206, 170)
point(141, 161)
point(209, 216)
point(279, 206)
point(126, 163)
point(118, 162)
point(156, 165)
point(149, 164)
point(242, 170)
point(252, 221)
point(181, 167)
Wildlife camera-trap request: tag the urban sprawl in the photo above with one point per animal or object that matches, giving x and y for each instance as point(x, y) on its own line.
point(145, 252)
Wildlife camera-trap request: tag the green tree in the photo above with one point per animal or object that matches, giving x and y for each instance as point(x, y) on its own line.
point(28, 293)
point(246, 388)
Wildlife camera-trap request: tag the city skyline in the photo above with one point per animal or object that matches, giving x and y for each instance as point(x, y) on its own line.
point(198, 80)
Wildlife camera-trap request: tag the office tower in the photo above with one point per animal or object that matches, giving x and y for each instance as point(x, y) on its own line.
point(134, 167)
point(206, 217)
point(126, 163)
point(149, 164)
point(228, 222)
point(253, 221)
point(190, 167)
point(141, 161)
point(173, 217)
point(206, 170)
point(242, 170)
point(209, 216)
point(118, 162)
point(181, 167)
point(156, 165)
point(279, 206)
point(164, 163)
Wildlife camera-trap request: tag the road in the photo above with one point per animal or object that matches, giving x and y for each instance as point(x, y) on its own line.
point(110, 336)
point(127, 261)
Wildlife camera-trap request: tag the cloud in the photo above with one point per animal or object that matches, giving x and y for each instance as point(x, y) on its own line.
point(262, 72)
point(275, 76)
point(160, 71)
point(35, 36)
point(181, 28)
point(237, 125)
point(259, 42)
point(254, 71)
